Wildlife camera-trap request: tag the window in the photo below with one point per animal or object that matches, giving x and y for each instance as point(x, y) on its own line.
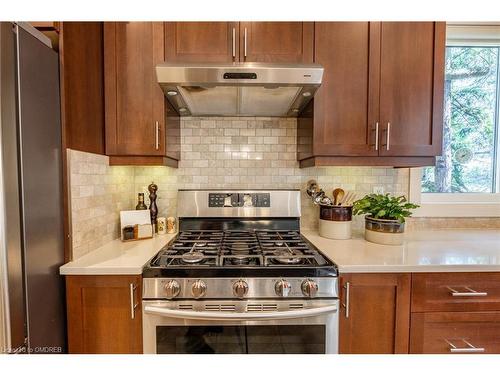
point(466, 178)
point(470, 124)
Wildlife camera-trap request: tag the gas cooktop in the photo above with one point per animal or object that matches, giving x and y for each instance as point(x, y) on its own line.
point(234, 253)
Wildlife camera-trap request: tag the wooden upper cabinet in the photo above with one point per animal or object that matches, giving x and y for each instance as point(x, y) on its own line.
point(82, 85)
point(104, 314)
point(381, 99)
point(201, 41)
point(135, 111)
point(375, 313)
point(344, 110)
point(411, 88)
point(280, 42)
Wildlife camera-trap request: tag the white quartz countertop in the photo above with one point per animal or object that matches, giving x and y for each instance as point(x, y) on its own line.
point(423, 251)
point(117, 257)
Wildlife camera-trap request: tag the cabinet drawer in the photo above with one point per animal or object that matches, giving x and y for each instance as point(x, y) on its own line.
point(455, 333)
point(455, 292)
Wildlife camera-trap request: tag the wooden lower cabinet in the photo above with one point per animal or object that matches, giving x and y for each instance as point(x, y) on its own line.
point(375, 313)
point(455, 333)
point(104, 314)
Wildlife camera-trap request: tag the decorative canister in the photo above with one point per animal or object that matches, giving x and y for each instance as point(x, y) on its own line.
point(335, 222)
point(162, 225)
point(170, 225)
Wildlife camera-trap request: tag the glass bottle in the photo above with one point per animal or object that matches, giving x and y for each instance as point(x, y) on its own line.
point(140, 204)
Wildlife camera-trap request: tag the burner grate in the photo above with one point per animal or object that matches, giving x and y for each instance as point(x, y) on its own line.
point(260, 248)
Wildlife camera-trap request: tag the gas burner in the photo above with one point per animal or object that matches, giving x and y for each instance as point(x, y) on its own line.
point(192, 257)
point(287, 256)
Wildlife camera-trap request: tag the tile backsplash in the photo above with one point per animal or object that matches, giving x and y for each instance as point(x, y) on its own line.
point(98, 193)
point(233, 153)
point(255, 153)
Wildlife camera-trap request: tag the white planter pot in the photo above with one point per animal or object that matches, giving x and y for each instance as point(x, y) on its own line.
point(383, 231)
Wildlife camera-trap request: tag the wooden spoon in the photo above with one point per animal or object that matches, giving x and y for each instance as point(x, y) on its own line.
point(338, 194)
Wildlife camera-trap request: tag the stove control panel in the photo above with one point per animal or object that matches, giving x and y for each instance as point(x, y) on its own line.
point(230, 288)
point(239, 200)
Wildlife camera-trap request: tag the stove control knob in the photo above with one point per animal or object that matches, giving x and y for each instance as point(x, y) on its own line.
point(309, 288)
point(240, 288)
point(199, 289)
point(282, 288)
point(172, 289)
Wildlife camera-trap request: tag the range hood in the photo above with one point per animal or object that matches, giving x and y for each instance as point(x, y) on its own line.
point(239, 89)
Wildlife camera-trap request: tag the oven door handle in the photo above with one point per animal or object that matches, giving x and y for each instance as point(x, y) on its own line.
point(233, 316)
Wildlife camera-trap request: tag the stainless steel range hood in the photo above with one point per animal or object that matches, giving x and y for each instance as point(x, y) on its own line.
point(239, 89)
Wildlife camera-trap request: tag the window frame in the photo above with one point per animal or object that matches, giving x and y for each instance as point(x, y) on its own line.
point(466, 204)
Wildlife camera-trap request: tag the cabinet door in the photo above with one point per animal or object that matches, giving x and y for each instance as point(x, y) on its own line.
point(104, 314)
point(281, 42)
point(201, 41)
point(455, 333)
point(411, 88)
point(134, 102)
point(375, 314)
point(346, 104)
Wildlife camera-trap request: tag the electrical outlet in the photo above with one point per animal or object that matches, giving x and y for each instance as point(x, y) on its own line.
point(378, 189)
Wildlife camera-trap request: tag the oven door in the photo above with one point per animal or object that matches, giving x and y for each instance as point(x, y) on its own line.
point(239, 327)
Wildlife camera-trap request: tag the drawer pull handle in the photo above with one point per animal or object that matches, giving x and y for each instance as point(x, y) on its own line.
point(468, 293)
point(467, 349)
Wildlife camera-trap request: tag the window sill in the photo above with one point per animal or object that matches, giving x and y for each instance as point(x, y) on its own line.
point(462, 209)
point(451, 205)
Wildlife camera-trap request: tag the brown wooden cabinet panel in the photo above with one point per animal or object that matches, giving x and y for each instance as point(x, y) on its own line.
point(434, 291)
point(411, 88)
point(285, 42)
point(375, 314)
point(201, 41)
point(438, 332)
point(344, 110)
point(100, 317)
point(82, 85)
point(135, 109)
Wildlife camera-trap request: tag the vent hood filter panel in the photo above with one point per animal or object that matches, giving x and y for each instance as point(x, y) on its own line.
point(264, 102)
point(216, 101)
point(239, 89)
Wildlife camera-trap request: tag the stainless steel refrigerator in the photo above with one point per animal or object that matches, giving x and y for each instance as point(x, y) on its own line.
point(32, 307)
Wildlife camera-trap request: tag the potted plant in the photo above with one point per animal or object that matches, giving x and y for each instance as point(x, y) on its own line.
point(385, 217)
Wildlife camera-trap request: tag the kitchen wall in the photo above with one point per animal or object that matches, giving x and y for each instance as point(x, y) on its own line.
point(97, 194)
point(255, 153)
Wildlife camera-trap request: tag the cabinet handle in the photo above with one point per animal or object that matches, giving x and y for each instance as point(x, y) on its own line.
point(376, 136)
point(467, 349)
point(133, 305)
point(234, 42)
point(469, 292)
point(157, 135)
point(245, 42)
point(347, 288)
point(387, 145)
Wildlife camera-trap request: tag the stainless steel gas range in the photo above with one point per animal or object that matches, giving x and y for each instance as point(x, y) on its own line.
point(240, 278)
